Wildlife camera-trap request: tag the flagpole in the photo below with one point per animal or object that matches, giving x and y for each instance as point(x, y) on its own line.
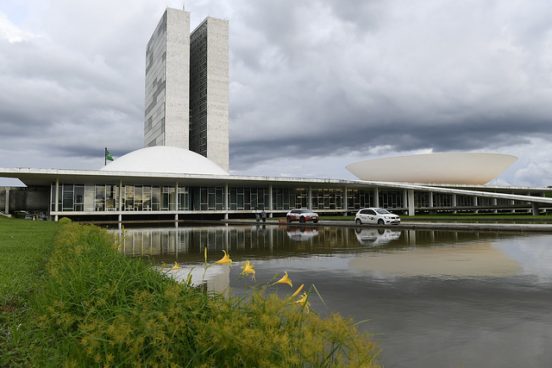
point(105, 156)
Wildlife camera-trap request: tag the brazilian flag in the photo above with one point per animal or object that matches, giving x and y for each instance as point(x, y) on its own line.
point(107, 156)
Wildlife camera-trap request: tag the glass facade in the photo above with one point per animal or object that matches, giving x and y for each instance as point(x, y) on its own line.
point(357, 199)
point(327, 199)
point(391, 199)
point(244, 198)
point(171, 198)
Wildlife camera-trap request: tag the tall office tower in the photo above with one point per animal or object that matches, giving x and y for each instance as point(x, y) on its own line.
point(209, 91)
point(168, 82)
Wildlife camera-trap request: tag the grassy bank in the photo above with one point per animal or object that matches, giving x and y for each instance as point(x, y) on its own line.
point(24, 248)
point(95, 307)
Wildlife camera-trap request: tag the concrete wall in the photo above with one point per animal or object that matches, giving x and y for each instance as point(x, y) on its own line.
point(167, 82)
point(209, 91)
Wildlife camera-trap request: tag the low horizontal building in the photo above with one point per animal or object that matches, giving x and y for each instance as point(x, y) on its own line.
point(168, 181)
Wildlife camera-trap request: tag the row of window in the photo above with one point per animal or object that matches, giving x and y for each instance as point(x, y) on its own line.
point(99, 198)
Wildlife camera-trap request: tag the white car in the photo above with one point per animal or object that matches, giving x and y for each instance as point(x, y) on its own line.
point(302, 215)
point(378, 216)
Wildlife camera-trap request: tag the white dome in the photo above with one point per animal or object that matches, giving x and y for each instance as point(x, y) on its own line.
point(165, 159)
point(435, 168)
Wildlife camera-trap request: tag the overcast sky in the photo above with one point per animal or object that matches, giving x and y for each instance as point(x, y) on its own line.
point(315, 84)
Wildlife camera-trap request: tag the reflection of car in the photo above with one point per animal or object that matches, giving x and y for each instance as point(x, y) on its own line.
point(301, 233)
point(373, 236)
point(378, 216)
point(302, 215)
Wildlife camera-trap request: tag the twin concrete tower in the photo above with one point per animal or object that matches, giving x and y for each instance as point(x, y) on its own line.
point(187, 86)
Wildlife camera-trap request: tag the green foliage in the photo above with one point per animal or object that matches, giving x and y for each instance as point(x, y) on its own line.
point(64, 221)
point(99, 308)
point(24, 248)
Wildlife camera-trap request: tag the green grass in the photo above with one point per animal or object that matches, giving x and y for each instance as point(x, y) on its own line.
point(94, 307)
point(24, 248)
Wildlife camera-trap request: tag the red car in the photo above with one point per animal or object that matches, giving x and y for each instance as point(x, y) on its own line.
point(302, 215)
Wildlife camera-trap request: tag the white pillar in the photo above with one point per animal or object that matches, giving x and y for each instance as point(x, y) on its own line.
point(411, 210)
point(176, 199)
point(120, 221)
point(535, 209)
point(495, 204)
point(120, 208)
point(57, 200)
point(405, 199)
point(475, 204)
point(7, 204)
point(431, 199)
point(454, 203)
point(310, 198)
point(376, 197)
point(270, 202)
point(345, 201)
point(226, 201)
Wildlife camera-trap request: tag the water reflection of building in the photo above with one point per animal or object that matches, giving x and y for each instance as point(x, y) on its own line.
point(376, 237)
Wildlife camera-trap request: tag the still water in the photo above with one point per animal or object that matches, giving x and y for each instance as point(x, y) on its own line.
point(430, 298)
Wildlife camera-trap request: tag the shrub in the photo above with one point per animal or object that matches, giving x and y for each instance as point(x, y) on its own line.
point(97, 307)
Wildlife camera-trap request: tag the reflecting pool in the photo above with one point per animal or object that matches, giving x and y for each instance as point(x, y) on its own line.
point(430, 298)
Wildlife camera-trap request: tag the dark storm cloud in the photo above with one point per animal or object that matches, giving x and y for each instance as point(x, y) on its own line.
point(312, 78)
point(324, 77)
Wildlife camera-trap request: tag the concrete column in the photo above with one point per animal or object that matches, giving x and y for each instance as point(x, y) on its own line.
point(513, 203)
point(411, 210)
point(376, 197)
point(226, 201)
point(454, 203)
point(345, 201)
point(431, 199)
point(310, 198)
point(176, 199)
point(405, 199)
point(7, 204)
point(270, 201)
point(475, 204)
point(56, 217)
point(495, 205)
point(535, 209)
point(120, 208)
point(120, 221)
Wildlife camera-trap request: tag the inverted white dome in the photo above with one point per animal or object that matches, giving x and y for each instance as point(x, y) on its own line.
point(435, 168)
point(165, 159)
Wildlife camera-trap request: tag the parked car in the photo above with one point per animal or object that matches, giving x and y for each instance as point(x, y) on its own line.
point(23, 215)
point(302, 215)
point(378, 216)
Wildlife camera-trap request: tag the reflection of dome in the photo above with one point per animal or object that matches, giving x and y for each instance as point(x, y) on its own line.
point(165, 159)
point(435, 168)
point(480, 259)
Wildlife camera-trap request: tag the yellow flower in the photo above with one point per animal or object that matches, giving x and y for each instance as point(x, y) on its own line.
point(297, 291)
point(285, 280)
point(303, 301)
point(248, 269)
point(176, 266)
point(224, 260)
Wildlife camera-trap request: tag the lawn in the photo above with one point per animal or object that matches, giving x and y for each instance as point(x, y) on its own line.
point(24, 248)
point(69, 298)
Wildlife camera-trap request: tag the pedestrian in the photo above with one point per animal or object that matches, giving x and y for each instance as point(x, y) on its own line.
point(263, 216)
